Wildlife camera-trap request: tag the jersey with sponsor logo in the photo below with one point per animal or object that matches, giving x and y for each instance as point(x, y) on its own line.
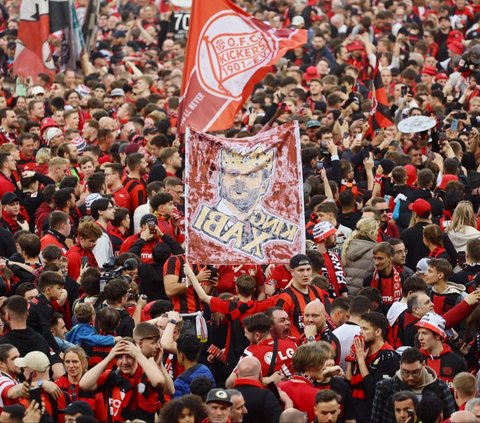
point(264, 352)
point(446, 365)
point(188, 302)
point(293, 302)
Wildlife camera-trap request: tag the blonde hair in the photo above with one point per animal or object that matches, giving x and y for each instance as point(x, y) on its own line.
point(81, 354)
point(463, 216)
point(43, 155)
point(8, 148)
point(57, 161)
point(367, 227)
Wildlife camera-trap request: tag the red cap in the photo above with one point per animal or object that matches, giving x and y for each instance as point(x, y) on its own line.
point(456, 47)
point(420, 206)
point(441, 76)
point(355, 45)
point(46, 123)
point(132, 148)
point(446, 179)
point(311, 73)
point(429, 70)
point(454, 35)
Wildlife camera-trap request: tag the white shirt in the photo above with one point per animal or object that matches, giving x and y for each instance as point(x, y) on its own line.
point(345, 335)
point(103, 250)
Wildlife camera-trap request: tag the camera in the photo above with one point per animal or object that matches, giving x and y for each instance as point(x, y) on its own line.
point(110, 271)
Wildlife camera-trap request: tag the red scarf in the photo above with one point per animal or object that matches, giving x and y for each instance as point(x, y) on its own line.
point(333, 268)
point(391, 292)
point(436, 252)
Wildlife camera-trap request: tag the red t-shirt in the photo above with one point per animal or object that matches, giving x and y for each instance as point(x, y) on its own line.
point(263, 351)
point(302, 393)
point(227, 275)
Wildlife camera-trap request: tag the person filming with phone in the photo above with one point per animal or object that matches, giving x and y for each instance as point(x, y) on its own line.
point(143, 242)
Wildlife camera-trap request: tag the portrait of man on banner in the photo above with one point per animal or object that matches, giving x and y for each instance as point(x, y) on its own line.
point(245, 212)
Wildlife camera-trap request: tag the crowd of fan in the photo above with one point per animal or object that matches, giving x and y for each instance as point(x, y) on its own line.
point(102, 319)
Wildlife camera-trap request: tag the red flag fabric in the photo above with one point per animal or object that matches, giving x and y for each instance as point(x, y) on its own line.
point(33, 54)
point(228, 52)
point(380, 116)
point(235, 208)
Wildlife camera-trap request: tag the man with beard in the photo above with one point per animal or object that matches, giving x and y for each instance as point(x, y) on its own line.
point(244, 179)
point(69, 152)
point(8, 126)
point(414, 376)
point(316, 328)
point(295, 298)
point(370, 359)
point(388, 228)
point(134, 183)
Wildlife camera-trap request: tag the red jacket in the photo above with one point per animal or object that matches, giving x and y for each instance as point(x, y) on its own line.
point(74, 256)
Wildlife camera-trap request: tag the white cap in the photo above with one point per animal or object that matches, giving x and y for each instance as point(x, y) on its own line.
point(38, 90)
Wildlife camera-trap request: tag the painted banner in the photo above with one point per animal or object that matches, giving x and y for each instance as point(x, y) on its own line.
point(228, 52)
point(244, 198)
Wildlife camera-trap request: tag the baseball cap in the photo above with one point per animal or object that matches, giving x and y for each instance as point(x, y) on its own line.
point(299, 260)
point(446, 179)
point(9, 198)
point(441, 76)
point(38, 90)
point(298, 20)
point(313, 124)
point(422, 265)
point(420, 206)
point(434, 322)
point(322, 230)
point(78, 407)
point(117, 92)
point(132, 148)
point(310, 73)
point(35, 360)
point(219, 395)
point(16, 411)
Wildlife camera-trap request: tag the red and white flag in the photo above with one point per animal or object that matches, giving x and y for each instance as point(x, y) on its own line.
point(33, 54)
point(228, 52)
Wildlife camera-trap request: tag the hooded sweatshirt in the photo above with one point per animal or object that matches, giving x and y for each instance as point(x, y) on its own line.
point(445, 301)
point(460, 239)
point(446, 364)
point(429, 377)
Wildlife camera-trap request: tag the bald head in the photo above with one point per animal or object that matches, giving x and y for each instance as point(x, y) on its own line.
point(463, 417)
point(106, 122)
point(314, 314)
point(292, 415)
point(249, 367)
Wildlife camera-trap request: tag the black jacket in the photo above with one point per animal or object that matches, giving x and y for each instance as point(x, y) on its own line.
point(262, 405)
point(412, 238)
